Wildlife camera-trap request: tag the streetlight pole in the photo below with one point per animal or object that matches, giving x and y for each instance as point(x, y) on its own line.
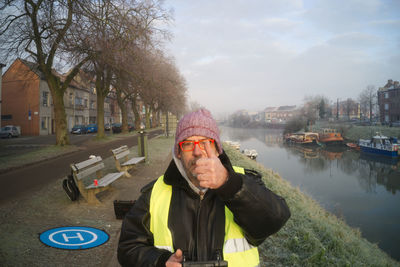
point(1, 77)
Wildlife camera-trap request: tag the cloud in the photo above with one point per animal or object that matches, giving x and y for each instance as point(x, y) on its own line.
point(355, 40)
point(209, 60)
point(254, 54)
point(342, 15)
point(280, 25)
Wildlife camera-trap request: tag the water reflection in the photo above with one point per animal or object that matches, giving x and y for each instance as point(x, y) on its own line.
point(271, 137)
point(385, 171)
point(369, 170)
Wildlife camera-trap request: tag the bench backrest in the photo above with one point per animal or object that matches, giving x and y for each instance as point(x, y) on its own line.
point(88, 167)
point(120, 152)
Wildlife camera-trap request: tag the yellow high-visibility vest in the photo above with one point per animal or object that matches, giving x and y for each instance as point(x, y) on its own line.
point(236, 250)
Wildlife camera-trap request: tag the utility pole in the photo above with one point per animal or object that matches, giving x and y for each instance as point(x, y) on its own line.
point(167, 124)
point(337, 109)
point(1, 77)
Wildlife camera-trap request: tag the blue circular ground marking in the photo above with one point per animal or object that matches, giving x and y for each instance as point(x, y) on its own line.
point(74, 237)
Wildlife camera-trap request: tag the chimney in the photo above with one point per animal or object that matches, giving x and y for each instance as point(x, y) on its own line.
point(389, 83)
point(396, 85)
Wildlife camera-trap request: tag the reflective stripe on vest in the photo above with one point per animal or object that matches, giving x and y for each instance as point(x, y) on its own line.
point(236, 251)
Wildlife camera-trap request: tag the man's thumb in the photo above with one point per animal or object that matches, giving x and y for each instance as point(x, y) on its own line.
point(178, 254)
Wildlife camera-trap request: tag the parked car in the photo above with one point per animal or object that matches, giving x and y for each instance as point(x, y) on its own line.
point(91, 128)
point(116, 127)
point(107, 127)
point(9, 131)
point(79, 129)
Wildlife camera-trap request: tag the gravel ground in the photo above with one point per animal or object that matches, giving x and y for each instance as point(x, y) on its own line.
point(22, 220)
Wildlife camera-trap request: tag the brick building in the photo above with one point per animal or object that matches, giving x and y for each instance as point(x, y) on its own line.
point(26, 100)
point(389, 102)
point(27, 103)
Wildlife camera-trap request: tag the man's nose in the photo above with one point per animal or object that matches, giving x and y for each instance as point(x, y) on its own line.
point(197, 150)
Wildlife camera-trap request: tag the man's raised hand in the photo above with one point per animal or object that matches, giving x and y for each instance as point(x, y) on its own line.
point(210, 171)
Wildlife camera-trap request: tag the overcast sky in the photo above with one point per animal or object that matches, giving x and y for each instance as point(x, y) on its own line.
point(252, 54)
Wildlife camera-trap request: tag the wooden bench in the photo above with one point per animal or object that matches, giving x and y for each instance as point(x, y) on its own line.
point(122, 161)
point(92, 168)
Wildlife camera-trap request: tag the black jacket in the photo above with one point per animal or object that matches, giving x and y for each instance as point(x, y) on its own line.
point(197, 226)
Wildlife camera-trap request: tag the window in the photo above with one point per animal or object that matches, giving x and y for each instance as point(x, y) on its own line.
point(45, 99)
point(78, 101)
point(86, 103)
point(6, 117)
point(386, 106)
point(386, 94)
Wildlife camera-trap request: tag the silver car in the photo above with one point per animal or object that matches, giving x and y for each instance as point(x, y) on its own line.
point(9, 131)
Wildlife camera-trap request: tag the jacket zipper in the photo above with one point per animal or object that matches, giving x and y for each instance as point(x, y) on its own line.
point(201, 194)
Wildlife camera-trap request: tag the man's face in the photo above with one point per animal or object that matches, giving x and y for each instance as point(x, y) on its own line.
point(189, 158)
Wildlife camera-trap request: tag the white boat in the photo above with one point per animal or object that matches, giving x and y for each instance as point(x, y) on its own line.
point(236, 145)
point(233, 144)
point(251, 153)
point(380, 145)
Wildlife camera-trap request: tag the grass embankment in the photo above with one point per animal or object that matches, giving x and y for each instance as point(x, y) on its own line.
point(34, 155)
point(366, 132)
point(354, 132)
point(312, 236)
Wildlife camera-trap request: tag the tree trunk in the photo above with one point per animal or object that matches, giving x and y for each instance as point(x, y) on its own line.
point(370, 109)
point(60, 117)
point(124, 113)
point(102, 89)
point(148, 112)
point(136, 113)
point(100, 115)
point(154, 121)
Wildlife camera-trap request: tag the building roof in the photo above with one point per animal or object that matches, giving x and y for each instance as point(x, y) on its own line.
point(77, 82)
point(270, 109)
point(280, 109)
point(390, 85)
point(287, 108)
point(33, 67)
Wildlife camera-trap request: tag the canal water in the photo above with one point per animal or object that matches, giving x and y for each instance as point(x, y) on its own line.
point(363, 190)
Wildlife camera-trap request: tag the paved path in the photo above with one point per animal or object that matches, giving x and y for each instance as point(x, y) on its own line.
point(29, 178)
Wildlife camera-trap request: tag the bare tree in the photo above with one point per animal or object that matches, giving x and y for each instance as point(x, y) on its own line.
point(311, 110)
point(163, 88)
point(39, 29)
point(120, 29)
point(350, 108)
point(368, 98)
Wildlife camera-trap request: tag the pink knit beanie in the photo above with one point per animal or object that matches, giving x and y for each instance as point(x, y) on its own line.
point(200, 123)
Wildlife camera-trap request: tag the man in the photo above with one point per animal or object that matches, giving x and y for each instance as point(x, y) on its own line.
point(202, 208)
